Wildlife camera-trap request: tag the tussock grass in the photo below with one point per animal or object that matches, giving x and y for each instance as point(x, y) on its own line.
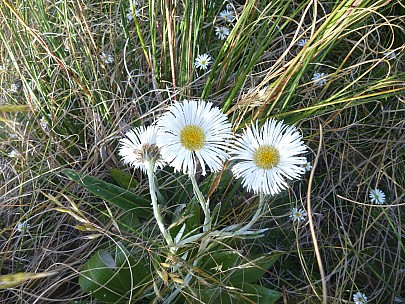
point(52, 51)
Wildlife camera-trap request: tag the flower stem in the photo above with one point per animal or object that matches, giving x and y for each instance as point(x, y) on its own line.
point(156, 212)
point(255, 217)
point(203, 203)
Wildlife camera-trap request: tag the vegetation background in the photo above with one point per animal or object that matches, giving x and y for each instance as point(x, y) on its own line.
point(65, 104)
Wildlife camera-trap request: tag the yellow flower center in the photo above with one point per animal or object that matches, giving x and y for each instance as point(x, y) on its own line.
point(266, 157)
point(192, 137)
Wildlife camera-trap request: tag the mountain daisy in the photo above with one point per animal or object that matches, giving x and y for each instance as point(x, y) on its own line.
point(390, 55)
point(222, 32)
point(22, 227)
point(359, 298)
point(319, 79)
point(302, 42)
point(202, 61)
point(377, 196)
point(298, 215)
point(14, 88)
point(138, 148)
point(307, 166)
point(191, 132)
point(266, 156)
point(107, 58)
point(226, 15)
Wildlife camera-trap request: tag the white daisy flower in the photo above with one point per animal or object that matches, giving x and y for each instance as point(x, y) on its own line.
point(2, 68)
point(194, 132)
point(390, 55)
point(227, 15)
point(130, 17)
point(302, 42)
point(13, 154)
point(266, 157)
point(138, 148)
point(14, 88)
point(359, 298)
point(307, 166)
point(44, 123)
point(22, 227)
point(222, 32)
point(298, 215)
point(377, 196)
point(319, 79)
point(106, 58)
point(202, 61)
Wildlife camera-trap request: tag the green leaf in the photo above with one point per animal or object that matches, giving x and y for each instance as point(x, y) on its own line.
point(123, 179)
point(99, 279)
point(231, 267)
point(249, 271)
point(238, 294)
point(111, 193)
point(258, 294)
point(115, 280)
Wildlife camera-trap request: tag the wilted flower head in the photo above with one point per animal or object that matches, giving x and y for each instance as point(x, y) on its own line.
point(139, 149)
point(193, 132)
point(266, 156)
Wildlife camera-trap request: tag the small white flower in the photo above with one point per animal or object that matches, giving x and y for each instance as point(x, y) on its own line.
point(13, 154)
point(14, 88)
point(202, 61)
point(12, 135)
point(359, 298)
point(138, 149)
point(307, 166)
point(267, 156)
point(377, 196)
point(193, 132)
point(2, 68)
point(298, 215)
point(302, 42)
point(22, 227)
point(44, 123)
point(390, 55)
point(319, 79)
point(227, 15)
point(106, 58)
point(222, 32)
point(130, 17)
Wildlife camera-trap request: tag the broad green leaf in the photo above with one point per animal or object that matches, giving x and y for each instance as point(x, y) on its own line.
point(123, 179)
point(111, 193)
point(114, 280)
point(237, 294)
point(252, 269)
